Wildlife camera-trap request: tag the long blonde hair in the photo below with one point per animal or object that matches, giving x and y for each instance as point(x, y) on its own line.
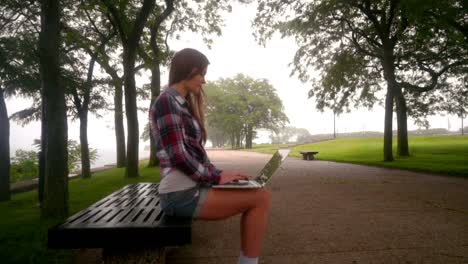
point(185, 64)
point(196, 105)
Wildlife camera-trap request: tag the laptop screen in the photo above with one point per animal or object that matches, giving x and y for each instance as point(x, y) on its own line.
point(272, 165)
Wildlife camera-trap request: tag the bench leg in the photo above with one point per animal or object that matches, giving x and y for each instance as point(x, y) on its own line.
point(136, 256)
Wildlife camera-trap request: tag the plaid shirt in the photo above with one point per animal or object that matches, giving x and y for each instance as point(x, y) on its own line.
point(178, 138)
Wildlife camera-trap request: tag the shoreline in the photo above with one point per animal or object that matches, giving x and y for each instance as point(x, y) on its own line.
point(29, 185)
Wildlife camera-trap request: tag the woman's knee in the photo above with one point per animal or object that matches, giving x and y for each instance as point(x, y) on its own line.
point(264, 198)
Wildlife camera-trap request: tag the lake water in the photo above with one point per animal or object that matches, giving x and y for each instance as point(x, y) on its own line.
point(108, 156)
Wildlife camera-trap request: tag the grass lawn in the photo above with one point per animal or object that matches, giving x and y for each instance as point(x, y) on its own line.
point(23, 234)
point(267, 148)
point(435, 154)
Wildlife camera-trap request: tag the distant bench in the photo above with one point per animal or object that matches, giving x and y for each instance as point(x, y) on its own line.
point(308, 155)
point(128, 224)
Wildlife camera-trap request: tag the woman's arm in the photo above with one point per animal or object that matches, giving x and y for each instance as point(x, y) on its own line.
point(167, 121)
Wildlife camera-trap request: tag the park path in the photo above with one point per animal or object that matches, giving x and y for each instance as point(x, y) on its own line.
point(326, 212)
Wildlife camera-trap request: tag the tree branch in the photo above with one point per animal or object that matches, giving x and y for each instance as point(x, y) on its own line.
point(92, 22)
point(114, 18)
point(103, 60)
point(434, 77)
point(458, 26)
point(165, 14)
point(139, 67)
point(366, 9)
point(139, 24)
point(393, 4)
point(356, 42)
point(155, 27)
point(76, 100)
point(144, 55)
point(167, 34)
point(402, 25)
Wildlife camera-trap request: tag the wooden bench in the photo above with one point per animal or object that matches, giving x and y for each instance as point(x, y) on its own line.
point(308, 155)
point(128, 224)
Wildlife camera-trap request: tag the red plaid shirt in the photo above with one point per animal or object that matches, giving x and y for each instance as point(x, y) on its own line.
point(178, 138)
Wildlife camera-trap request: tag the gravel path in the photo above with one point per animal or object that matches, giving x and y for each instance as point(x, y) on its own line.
point(326, 212)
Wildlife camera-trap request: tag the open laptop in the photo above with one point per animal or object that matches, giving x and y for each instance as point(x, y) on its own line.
point(263, 177)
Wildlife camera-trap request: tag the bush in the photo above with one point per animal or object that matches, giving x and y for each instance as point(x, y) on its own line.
point(24, 166)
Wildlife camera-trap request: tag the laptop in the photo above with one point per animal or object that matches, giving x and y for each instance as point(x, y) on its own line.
point(263, 177)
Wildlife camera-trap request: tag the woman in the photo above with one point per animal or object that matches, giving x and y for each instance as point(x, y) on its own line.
point(178, 127)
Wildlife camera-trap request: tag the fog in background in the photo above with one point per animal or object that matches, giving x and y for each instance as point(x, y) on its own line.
point(234, 52)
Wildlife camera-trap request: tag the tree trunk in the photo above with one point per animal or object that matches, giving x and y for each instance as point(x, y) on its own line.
point(334, 125)
point(155, 91)
point(388, 65)
point(56, 170)
point(118, 112)
point(248, 137)
point(233, 141)
point(156, 73)
point(40, 187)
point(130, 45)
point(85, 162)
point(83, 114)
point(5, 194)
point(131, 170)
point(238, 140)
point(388, 133)
point(462, 128)
point(119, 125)
point(402, 120)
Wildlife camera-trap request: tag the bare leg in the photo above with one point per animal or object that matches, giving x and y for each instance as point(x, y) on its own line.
point(254, 206)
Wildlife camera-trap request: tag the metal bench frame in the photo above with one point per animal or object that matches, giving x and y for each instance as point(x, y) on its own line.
point(308, 155)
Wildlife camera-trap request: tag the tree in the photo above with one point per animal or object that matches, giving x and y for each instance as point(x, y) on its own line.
point(454, 100)
point(130, 28)
point(80, 30)
point(216, 136)
point(4, 150)
point(99, 29)
point(163, 20)
point(24, 165)
point(241, 105)
point(359, 45)
point(156, 57)
point(289, 134)
point(202, 17)
point(56, 172)
point(18, 70)
point(74, 154)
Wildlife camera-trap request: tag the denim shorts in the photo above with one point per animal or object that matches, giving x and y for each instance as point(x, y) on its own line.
point(185, 203)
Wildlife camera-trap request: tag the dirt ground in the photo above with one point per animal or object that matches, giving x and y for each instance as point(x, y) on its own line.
point(326, 212)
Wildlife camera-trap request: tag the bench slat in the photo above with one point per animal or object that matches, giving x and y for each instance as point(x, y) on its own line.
point(131, 213)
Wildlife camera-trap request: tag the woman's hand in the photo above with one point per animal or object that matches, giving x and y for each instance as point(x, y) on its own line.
point(229, 176)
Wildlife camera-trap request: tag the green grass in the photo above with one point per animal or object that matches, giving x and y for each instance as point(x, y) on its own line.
point(446, 155)
point(23, 234)
point(434, 154)
point(267, 148)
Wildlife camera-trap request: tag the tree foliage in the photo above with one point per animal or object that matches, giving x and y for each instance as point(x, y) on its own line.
point(358, 46)
point(25, 165)
point(19, 73)
point(237, 107)
point(290, 134)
